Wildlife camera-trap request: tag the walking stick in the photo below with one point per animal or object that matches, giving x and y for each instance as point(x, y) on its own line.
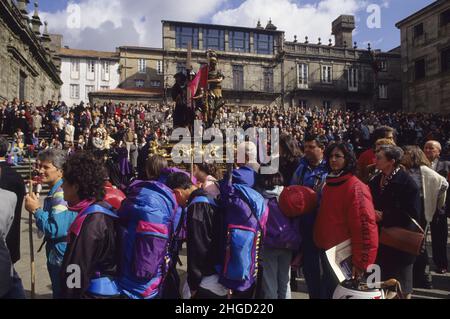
point(30, 235)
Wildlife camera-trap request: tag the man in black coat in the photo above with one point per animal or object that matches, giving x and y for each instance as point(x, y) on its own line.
point(10, 180)
point(204, 238)
point(439, 224)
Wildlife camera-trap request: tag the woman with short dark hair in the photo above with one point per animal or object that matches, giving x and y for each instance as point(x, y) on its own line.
point(346, 212)
point(397, 201)
point(92, 240)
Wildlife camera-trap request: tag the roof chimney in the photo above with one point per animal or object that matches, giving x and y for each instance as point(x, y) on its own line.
point(342, 30)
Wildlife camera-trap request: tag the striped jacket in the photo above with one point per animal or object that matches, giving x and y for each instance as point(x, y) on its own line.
point(54, 221)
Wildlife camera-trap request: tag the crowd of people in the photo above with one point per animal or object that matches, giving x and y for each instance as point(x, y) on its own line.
point(370, 177)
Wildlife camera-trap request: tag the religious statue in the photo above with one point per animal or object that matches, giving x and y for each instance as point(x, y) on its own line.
point(215, 78)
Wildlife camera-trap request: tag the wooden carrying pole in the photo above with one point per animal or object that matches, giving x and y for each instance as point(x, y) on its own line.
point(189, 102)
point(30, 235)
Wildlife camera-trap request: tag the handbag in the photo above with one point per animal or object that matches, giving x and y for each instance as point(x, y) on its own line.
point(402, 239)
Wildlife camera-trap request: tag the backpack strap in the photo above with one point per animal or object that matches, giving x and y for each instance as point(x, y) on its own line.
point(96, 208)
point(203, 199)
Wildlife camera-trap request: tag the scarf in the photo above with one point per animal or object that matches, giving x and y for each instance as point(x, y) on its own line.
point(275, 192)
point(75, 228)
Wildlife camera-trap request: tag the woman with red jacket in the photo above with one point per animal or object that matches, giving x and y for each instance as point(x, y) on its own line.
point(346, 212)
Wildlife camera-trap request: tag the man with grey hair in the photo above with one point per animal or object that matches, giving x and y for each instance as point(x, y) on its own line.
point(54, 217)
point(439, 224)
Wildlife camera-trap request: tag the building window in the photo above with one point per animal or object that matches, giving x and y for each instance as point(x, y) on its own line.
point(104, 87)
point(239, 41)
point(327, 72)
point(238, 77)
point(419, 69)
point(303, 103)
point(353, 79)
point(445, 18)
point(75, 68)
point(418, 30)
point(91, 66)
point(327, 104)
point(155, 83)
point(159, 67)
point(184, 35)
point(264, 44)
point(382, 91)
point(214, 39)
point(139, 83)
point(105, 70)
point(22, 85)
point(90, 70)
point(74, 91)
point(302, 71)
point(268, 80)
point(383, 65)
point(89, 89)
point(142, 65)
point(445, 60)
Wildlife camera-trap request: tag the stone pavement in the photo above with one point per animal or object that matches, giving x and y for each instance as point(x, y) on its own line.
point(43, 288)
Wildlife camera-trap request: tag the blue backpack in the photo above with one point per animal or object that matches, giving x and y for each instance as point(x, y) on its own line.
point(149, 214)
point(245, 214)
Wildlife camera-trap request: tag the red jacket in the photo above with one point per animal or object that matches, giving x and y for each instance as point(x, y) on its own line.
point(346, 211)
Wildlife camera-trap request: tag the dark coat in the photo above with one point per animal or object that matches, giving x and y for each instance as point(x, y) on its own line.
point(400, 198)
point(443, 169)
point(94, 250)
point(204, 233)
point(11, 181)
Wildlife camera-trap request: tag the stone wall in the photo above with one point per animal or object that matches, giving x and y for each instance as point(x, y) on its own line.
point(431, 94)
point(16, 58)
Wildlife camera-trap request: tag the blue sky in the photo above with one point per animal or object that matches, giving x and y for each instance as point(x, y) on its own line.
point(106, 24)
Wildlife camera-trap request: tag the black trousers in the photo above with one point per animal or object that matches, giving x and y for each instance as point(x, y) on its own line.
point(439, 236)
point(421, 270)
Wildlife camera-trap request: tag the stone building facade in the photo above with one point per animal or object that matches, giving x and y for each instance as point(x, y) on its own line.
point(340, 75)
point(425, 66)
point(261, 68)
point(29, 69)
point(141, 67)
point(249, 58)
point(86, 71)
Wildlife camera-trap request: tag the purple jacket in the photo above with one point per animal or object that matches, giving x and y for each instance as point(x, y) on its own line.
point(282, 232)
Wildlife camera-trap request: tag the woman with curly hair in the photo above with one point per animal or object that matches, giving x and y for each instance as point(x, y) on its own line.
point(91, 255)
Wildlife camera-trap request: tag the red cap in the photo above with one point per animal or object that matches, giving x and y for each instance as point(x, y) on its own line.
point(297, 200)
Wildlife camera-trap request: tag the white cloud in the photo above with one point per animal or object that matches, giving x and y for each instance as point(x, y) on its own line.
point(106, 24)
point(373, 44)
point(293, 17)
